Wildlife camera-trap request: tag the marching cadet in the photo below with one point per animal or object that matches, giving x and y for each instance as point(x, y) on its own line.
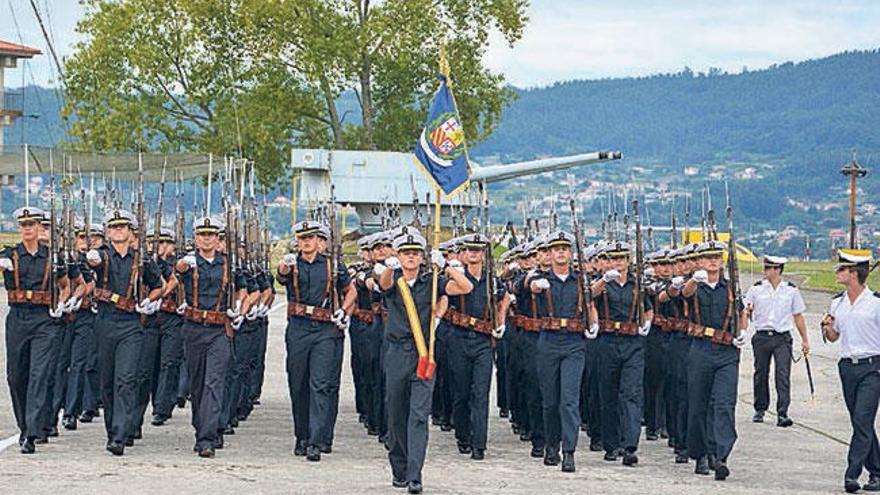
point(854, 319)
point(713, 363)
point(209, 322)
point(381, 250)
point(118, 272)
point(656, 348)
point(442, 406)
point(775, 306)
point(33, 327)
point(367, 330)
point(470, 348)
point(591, 412)
point(313, 336)
point(561, 349)
point(362, 320)
point(82, 381)
point(621, 352)
point(408, 295)
point(170, 318)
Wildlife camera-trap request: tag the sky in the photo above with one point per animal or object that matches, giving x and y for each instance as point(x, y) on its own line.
point(587, 39)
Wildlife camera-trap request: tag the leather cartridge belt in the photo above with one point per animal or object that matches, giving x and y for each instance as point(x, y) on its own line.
point(713, 334)
point(380, 311)
point(168, 306)
point(468, 322)
point(680, 326)
point(38, 297)
point(574, 325)
point(618, 327)
point(365, 315)
point(205, 316)
point(126, 304)
point(526, 323)
point(662, 322)
point(308, 312)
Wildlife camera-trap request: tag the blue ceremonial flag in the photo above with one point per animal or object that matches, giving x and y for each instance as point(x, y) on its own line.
point(441, 150)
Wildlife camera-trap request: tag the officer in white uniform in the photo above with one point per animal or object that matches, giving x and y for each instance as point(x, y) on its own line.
point(776, 308)
point(854, 318)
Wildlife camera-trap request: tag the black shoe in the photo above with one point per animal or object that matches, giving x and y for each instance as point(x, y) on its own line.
point(129, 442)
point(610, 456)
point(504, 413)
point(651, 435)
point(207, 452)
point(327, 450)
point(537, 452)
point(595, 445)
point(53, 431)
point(446, 427)
point(758, 417)
point(464, 449)
point(181, 402)
point(217, 443)
point(372, 431)
point(630, 459)
point(585, 427)
point(664, 433)
point(568, 462)
point(299, 449)
point(873, 484)
point(525, 436)
point(396, 483)
point(69, 423)
point(851, 486)
point(435, 420)
point(234, 422)
point(551, 458)
point(670, 443)
point(229, 430)
point(41, 440)
point(97, 413)
point(712, 461)
point(702, 466)
point(115, 448)
point(414, 487)
point(784, 422)
point(516, 429)
point(681, 458)
point(478, 454)
point(27, 446)
point(313, 453)
point(139, 434)
point(158, 420)
point(721, 471)
point(362, 418)
point(256, 401)
point(87, 417)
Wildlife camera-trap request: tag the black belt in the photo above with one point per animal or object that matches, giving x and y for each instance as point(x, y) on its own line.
point(770, 331)
point(866, 360)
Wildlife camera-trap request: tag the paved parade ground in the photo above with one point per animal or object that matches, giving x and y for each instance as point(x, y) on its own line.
point(807, 458)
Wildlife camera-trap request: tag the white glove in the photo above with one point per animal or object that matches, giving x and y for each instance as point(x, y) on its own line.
point(145, 307)
point(513, 266)
point(645, 329)
point(289, 259)
point(610, 276)
point(182, 308)
point(234, 313)
point(592, 332)
point(438, 259)
point(392, 263)
point(6, 264)
point(436, 323)
point(542, 283)
point(155, 306)
point(190, 260)
point(338, 316)
point(379, 269)
point(72, 305)
point(458, 265)
point(512, 298)
point(701, 276)
point(237, 321)
point(649, 272)
point(264, 310)
point(499, 332)
point(677, 283)
point(58, 311)
point(740, 341)
point(253, 313)
point(93, 256)
point(362, 276)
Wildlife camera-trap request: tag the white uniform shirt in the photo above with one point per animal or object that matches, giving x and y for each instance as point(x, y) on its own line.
point(858, 324)
point(773, 308)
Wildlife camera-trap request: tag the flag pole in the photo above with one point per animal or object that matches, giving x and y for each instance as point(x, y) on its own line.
point(434, 242)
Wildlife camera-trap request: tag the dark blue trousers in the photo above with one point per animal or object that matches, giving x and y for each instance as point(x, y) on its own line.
point(679, 347)
point(560, 369)
point(713, 372)
point(532, 364)
point(208, 353)
point(119, 337)
point(591, 412)
point(409, 402)
point(148, 370)
point(82, 382)
point(621, 374)
point(470, 365)
point(442, 404)
point(170, 358)
point(861, 392)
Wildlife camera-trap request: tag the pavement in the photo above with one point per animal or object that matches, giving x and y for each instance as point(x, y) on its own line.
point(807, 458)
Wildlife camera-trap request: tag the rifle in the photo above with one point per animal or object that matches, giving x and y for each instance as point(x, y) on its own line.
point(672, 221)
point(428, 235)
point(732, 263)
point(334, 250)
point(417, 214)
point(640, 302)
point(142, 228)
point(687, 219)
point(53, 241)
point(179, 237)
point(231, 253)
point(157, 227)
point(582, 286)
point(490, 261)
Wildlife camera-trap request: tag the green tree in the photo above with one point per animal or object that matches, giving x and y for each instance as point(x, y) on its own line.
point(256, 77)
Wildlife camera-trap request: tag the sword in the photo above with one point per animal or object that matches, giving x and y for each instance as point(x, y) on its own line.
point(810, 376)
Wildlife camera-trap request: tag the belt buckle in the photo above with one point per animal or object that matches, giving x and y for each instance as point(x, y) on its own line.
point(854, 360)
point(472, 321)
point(616, 325)
point(310, 310)
point(114, 298)
point(204, 315)
point(28, 294)
point(709, 332)
point(563, 322)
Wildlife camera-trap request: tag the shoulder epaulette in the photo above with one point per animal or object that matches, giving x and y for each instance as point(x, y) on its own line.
point(876, 294)
point(791, 284)
point(757, 283)
point(838, 295)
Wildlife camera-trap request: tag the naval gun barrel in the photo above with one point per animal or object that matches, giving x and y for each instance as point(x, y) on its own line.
point(495, 173)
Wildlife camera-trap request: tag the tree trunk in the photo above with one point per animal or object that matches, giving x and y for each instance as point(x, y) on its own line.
point(335, 123)
point(367, 102)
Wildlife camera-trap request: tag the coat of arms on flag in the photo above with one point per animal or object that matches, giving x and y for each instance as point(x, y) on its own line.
point(441, 149)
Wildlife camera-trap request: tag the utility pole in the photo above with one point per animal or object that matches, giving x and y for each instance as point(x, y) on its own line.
point(853, 170)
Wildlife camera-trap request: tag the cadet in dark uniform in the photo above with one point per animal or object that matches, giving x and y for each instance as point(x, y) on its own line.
point(209, 321)
point(313, 336)
point(33, 328)
point(854, 319)
point(713, 363)
point(408, 396)
point(118, 273)
point(170, 321)
point(561, 349)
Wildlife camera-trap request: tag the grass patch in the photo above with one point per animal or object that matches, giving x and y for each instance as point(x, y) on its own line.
point(820, 275)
